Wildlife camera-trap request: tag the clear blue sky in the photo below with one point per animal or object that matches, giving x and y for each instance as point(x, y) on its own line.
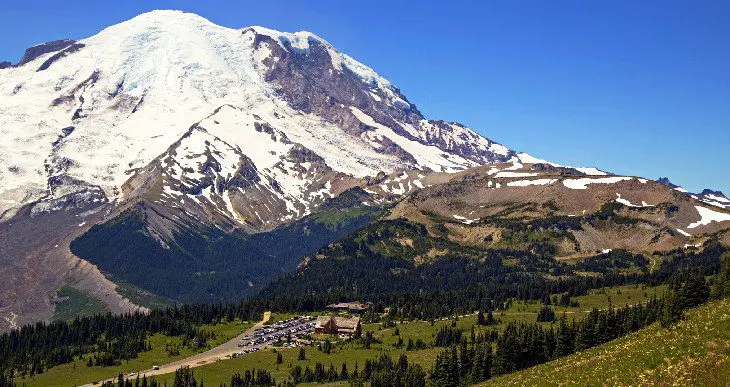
point(633, 87)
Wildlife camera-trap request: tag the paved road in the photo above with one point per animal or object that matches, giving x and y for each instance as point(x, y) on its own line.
point(210, 356)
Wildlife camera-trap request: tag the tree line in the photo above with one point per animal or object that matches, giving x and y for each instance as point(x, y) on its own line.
point(524, 345)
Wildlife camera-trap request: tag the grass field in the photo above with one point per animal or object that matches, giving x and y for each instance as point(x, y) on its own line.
point(142, 297)
point(348, 352)
point(695, 352)
point(275, 317)
point(78, 373)
point(617, 296)
point(351, 353)
point(73, 302)
point(226, 331)
point(336, 218)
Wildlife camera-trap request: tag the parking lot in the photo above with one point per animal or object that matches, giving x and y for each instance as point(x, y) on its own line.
point(290, 332)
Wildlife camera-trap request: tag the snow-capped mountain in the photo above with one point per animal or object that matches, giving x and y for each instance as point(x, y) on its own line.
point(96, 111)
point(715, 198)
point(167, 143)
point(192, 126)
point(668, 183)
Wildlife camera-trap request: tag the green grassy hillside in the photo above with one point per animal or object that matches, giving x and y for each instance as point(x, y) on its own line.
point(695, 352)
point(72, 302)
point(77, 372)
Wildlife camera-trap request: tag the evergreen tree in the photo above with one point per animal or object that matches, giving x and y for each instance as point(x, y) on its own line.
point(722, 280)
point(308, 376)
point(564, 340)
point(465, 358)
point(671, 312)
point(546, 314)
point(445, 371)
point(694, 291)
point(184, 377)
point(490, 319)
point(344, 375)
point(296, 374)
point(358, 331)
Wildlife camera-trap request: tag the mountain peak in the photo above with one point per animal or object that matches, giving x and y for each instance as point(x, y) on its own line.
point(715, 198)
point(708, 191)
point(667, 182)
point(299, 39)
point(116, 101)
point(167, 15)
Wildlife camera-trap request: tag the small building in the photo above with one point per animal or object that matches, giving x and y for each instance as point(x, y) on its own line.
point(352, 307)
point(336, 325)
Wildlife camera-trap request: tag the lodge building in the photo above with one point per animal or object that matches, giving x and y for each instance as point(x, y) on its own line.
point(352, 307)
point(337, 325)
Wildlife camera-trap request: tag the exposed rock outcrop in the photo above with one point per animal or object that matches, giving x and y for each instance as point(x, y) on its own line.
point(34, 52)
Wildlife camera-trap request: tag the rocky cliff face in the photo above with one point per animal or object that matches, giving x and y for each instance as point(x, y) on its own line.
point(34, 52)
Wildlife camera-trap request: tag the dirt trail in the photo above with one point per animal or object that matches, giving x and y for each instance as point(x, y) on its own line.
point(210, 356)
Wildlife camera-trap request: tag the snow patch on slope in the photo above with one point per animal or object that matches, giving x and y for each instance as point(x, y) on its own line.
point(629, 204)
point(685, 233)
point(527, 158)
point(583, 183)
point(425, 155)
point(708, 216)
point(591, 171)
point(465, 220)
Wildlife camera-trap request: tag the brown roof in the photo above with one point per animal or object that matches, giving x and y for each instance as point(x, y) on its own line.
point(322, 321)
point(342, 323)
point(355, 305)
point(347, 323)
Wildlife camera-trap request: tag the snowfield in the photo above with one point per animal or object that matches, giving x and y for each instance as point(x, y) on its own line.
point(583, 183)
point(685, 233)
point(137, 87)
point(708, 216)
point(629, 204)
